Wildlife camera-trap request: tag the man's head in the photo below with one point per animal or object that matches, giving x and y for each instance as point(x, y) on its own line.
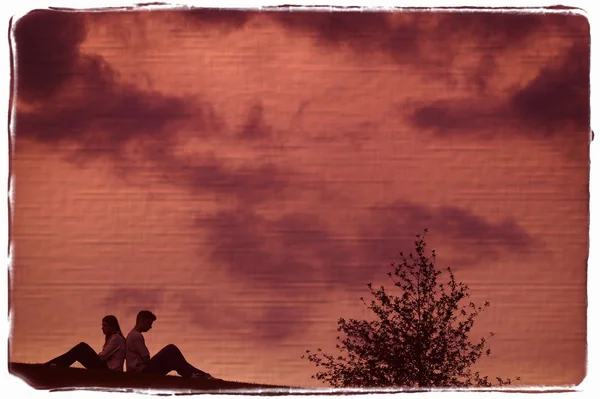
point(144, 320)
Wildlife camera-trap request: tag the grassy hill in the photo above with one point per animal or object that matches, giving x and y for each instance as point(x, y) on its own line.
point(55, 378)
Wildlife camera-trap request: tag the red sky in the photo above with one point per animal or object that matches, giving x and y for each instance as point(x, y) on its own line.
point(244, 175)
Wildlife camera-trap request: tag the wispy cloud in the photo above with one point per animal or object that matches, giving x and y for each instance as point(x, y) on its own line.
point(131, 300)
point(391, 229)
point(293, 255)
point(86, 105)
point(255, 127)
point(302, 247)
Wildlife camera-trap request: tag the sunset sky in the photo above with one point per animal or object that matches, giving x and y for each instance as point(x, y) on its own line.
point(244, 175)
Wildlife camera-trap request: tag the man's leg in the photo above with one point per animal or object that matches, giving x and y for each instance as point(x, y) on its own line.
point(168, 359)
point(81, 353)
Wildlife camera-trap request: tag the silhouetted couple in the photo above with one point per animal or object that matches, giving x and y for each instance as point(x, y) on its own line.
point(117, 349)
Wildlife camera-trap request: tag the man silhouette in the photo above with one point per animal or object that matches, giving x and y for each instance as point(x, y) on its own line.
point(167, 359)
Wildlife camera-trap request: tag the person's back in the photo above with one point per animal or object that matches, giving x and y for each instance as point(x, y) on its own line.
point(113, 352)
point(136, 350)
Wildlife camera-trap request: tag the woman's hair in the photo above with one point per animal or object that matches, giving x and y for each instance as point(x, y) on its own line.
point(114, 323)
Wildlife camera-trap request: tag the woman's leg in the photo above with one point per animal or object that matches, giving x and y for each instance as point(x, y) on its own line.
point(81, 353)
point(170, 358)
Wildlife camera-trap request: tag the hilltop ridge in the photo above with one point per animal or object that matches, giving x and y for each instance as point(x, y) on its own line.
point(55, 378)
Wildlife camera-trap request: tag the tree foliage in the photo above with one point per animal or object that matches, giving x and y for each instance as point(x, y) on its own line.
point(417, 339)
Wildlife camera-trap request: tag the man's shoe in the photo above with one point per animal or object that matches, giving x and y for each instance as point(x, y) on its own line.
point(203, 376)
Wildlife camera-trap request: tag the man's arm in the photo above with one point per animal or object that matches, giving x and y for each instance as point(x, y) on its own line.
point(142, 350)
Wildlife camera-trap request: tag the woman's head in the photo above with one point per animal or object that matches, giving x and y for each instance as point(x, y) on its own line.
point(110, 326)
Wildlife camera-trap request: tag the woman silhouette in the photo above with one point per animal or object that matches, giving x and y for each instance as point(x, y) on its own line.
point(111, 357)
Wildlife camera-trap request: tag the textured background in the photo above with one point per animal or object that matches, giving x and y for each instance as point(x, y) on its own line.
point(244, 175)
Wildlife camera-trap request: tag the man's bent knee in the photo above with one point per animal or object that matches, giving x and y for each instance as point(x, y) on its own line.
point(172, 348)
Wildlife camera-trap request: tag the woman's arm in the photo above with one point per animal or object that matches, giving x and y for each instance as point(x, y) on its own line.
point(111, 346)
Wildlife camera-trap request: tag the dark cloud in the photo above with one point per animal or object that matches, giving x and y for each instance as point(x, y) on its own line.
point(334, 27)
point(105, 116)
point(255, 127)
point(47, 51)
point(488, 36)
point(77, 96)
point(460, 116)
point(493, 30)
point(430, 42)
point(290, 256)
point(364, 32)
point(392, 228)
point(88, 107)
point(295, 255)
point(294, 248)
point(463, 225)
point(559, 96)
point(104, 126)
point(251, 183)
point(401, 34)
point(301, 248)
point(220, 18)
